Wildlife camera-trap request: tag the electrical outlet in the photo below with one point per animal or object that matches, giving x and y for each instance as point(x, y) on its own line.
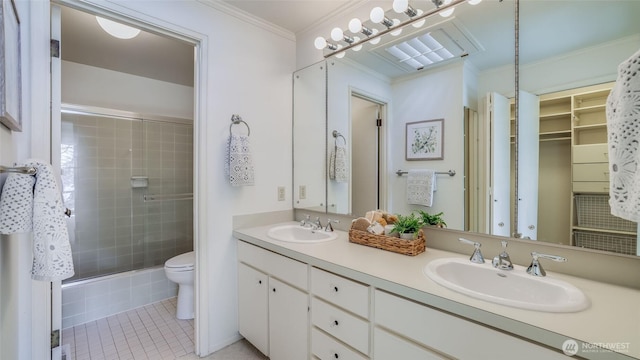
point(281, 193)
point(302, 192)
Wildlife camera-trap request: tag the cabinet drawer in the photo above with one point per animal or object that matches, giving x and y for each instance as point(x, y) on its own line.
point(346, 327)
point(591, 172)
point(324, 347)
point(278, 266)
point(445, 333)
point(598, 187)
point(593, 153)
point(390, 347)
point(345, 293)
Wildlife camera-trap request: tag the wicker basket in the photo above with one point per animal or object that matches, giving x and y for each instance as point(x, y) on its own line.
point(411, 247)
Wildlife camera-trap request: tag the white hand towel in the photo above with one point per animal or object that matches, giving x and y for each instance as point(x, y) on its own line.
point(623, 126)
point(420, 187)
point(44, 215)
point(239, 161)
point(338, 165)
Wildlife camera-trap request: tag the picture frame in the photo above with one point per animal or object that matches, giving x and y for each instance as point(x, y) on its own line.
point(10, 67)
point(424, 140)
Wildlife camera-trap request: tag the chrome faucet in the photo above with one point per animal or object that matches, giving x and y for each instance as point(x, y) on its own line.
point(329, 227)
point(536, 269)
point(476, 257)
point(503, 261)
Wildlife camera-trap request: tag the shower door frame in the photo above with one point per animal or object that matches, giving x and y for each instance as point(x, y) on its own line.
point(52, 296)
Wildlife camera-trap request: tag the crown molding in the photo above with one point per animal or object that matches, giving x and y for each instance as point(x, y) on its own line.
point(249, 18)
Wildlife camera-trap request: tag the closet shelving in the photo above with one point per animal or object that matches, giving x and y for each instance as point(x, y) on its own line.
point(573, 165)
point(592, 224)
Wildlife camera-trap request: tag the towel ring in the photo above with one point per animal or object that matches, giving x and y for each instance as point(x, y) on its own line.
point(336, 134)
point(236, 120)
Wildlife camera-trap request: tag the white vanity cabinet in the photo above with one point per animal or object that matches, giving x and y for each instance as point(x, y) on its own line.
point(340, 317)
point(443, 333)
point(273, 303)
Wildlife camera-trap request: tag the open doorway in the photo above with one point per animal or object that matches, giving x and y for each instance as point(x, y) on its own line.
point(367, 129)
point(124, 144)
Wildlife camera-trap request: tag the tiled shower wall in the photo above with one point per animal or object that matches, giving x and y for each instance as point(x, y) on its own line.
point(113, 229)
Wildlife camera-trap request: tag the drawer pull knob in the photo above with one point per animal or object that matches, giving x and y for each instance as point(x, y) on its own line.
point(335, 322)
point(274, 289)
point(335, 355)
point(260, 282)
point(335, 288)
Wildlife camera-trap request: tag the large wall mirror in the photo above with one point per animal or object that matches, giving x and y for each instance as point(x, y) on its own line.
point(567, 64)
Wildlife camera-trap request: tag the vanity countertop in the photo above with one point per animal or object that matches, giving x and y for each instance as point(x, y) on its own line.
point(611, 321)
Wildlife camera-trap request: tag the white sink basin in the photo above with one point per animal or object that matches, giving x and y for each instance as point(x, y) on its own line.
point(513, 288)
point(299, 234)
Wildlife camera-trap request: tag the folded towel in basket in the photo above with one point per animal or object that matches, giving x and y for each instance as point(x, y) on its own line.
point(34, 203)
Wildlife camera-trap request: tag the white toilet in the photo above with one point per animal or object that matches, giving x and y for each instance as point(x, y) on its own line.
point(179, 269)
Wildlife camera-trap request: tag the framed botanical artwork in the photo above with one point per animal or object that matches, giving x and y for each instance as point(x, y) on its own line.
point(10, 69)
point(425, 140)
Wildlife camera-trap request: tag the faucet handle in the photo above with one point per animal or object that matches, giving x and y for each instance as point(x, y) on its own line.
point(329, 227)
point(476, 257)
point(536, 269)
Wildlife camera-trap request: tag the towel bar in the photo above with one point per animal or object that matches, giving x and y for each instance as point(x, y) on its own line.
point(450, 172)
point(27, 170)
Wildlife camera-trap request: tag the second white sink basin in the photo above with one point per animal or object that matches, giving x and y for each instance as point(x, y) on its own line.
point(299, 234)
point(513, 288)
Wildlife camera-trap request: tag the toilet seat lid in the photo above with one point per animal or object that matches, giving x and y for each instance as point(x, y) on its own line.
point(185, 260)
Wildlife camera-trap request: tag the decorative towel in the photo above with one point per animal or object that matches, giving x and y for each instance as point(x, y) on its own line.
point(338, 169)
point(34, 203)
point(420, 187)
point(239, 162)
point(623, 127)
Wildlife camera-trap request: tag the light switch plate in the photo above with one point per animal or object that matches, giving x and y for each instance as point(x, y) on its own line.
point(281, 193)
point(302, 192)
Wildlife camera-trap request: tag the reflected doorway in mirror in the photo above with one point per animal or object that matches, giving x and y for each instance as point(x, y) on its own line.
point(425, 140)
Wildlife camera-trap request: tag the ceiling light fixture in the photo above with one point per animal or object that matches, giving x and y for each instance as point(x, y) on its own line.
point(116, 29)
point(417, 18)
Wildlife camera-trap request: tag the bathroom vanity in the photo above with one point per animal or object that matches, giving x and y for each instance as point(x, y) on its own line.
point(339, 300)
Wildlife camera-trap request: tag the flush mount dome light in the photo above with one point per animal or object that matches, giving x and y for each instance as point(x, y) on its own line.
point(116, 29)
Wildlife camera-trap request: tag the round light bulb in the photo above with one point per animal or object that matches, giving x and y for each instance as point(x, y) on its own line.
point(377, 15)
point(320, 43)
point(449, 11)
point(420, 23)
point(116, 29)
point(355, 25)
point(397, 31)
point(474, 2)
point(400, 6)
point(337, 34)
point(376, 40)
point(340, 55)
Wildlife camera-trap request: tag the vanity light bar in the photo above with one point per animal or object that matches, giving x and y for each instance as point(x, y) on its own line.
point(398, 27)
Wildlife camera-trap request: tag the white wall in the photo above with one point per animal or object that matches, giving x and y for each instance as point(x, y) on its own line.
point(245, 68)
point(440, 97)
point(92, 86)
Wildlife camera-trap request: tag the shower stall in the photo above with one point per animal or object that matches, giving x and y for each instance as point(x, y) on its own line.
point(128, 180)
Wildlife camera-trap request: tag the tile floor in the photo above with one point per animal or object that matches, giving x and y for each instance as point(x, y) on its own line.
point(148, 333)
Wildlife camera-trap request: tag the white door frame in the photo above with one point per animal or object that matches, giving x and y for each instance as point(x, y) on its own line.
point(200, 42)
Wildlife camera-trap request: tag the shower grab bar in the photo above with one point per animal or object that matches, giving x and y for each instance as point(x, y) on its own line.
point(26, 170)
point(167, 197)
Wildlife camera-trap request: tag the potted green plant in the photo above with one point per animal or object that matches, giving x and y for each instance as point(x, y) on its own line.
point(434, 220)
point(407, 226)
